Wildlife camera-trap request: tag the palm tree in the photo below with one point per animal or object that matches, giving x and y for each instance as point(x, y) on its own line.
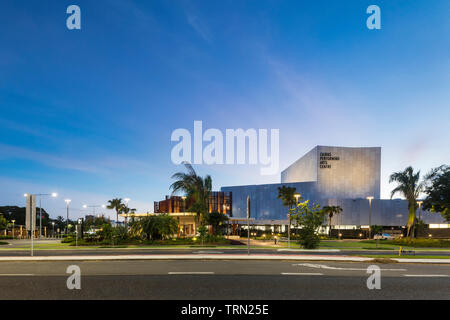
point(331, 211)
point(196, 189)
point(117, 205)
point(126, 210)
point(409, 186)
point(287, 196)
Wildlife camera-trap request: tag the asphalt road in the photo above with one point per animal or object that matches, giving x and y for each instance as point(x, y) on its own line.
point(230, 280)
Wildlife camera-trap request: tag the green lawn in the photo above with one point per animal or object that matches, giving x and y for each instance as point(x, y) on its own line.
point(357, 245)
point(402, 256)
point(372, 244)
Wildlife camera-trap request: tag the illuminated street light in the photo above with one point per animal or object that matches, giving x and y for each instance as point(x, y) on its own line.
point(68, 201)
point(370, 216)
point(420, 208)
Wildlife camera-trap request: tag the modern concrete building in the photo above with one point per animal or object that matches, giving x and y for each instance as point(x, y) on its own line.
point(338, 172)
point(329, 176)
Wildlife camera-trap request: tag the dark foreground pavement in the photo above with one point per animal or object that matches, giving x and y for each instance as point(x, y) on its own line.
point(230, 280)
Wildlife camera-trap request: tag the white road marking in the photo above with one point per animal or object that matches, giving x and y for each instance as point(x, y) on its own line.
point(301, 274)
point(206, 252)
point(190, 272)
point(426, 275)
point(322, 266)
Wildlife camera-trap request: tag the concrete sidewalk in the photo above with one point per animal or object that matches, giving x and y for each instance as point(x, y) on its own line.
point(215, 257)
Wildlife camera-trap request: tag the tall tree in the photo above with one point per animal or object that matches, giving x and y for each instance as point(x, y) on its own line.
point(116, 204)
point(438, 191)
point(287, 196)
point(3, 223)
point(126, 210)
point(331, 211)
point(197, 190)
point(409, 186)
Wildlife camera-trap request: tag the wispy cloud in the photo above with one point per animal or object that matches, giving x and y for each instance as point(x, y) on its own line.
point(199, 26)
point(101, 165)
point(14, 152)
point(198, 23)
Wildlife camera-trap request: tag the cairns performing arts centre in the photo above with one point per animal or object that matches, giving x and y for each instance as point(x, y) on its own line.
point(330, 176)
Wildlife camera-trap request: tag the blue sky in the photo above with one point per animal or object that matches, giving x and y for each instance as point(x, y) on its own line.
point(89, 113)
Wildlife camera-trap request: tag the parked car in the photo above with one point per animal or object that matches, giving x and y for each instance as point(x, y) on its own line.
point(383, 236)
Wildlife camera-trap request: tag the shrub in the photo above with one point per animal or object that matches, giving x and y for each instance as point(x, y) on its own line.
point(156, 227)
point(310, 217)
point(106, 232)
point(68, 239)
point(211, 238)
point(202, 233)
point(420, 242)
point(120, 234)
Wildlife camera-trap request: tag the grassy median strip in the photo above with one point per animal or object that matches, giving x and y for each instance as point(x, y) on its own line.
point(396, 256)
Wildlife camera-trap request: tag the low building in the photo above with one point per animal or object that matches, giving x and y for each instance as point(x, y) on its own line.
point(188, 222)
point(218, 202)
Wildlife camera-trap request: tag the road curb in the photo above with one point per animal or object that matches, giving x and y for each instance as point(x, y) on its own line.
point(187, 257)
point(422, 260)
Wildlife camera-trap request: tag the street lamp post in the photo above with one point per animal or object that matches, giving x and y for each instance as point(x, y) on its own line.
point(297, 196)
point(420, 209)
point(53, 229)
point(370, 216)
point(54, 195)
point(67, 213)
point(13, 221)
